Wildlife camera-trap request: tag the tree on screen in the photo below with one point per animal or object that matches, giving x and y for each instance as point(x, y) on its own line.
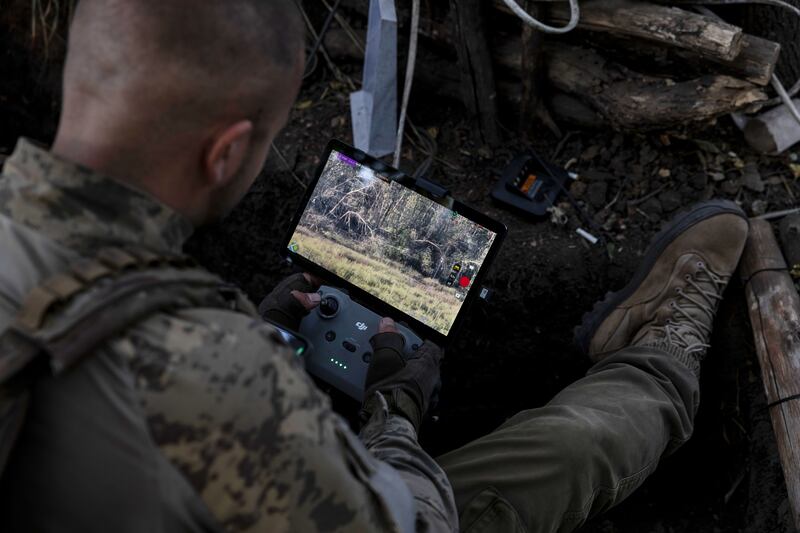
point(390, 222)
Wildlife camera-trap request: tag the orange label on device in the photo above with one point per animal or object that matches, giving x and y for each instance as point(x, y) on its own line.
point(528, 183)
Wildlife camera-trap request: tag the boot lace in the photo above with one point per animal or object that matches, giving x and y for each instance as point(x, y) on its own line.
point(703, 293)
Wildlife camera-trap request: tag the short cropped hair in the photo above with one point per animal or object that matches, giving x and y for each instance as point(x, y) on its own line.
point(193, 57)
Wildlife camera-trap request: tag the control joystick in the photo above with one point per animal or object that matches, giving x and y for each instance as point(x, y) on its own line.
point(339, 330)
point(328, 306)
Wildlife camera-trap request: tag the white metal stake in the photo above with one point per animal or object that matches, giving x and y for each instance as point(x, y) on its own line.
point(374, 107)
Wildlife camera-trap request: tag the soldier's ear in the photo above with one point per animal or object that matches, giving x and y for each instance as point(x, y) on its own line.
point(227, 153)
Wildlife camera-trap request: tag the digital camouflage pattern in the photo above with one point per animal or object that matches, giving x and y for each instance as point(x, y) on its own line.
point(221, 397)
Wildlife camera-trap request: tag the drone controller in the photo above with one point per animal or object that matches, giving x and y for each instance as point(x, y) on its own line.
point(339, 330)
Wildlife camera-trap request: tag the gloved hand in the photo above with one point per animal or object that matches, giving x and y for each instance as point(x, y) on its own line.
point(291, 300)
point(407, 383)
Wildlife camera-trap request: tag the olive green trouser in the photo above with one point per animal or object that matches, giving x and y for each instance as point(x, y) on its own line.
point(549, 469)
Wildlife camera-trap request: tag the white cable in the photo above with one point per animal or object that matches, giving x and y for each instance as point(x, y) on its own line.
point(574, 17)
point(410, 66)
point(785, 98)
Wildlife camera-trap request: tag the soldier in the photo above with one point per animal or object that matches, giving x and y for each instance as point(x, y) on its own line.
point(197, 418)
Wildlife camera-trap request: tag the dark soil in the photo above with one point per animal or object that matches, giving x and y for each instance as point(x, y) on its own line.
point(515, 352)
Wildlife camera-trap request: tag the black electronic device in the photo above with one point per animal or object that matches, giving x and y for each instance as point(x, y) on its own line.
point(340, 330)
point(391, 242)
point(296, 341)
point(530, 185)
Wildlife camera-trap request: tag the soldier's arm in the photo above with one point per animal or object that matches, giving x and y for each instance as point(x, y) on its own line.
point(393, 439)
point(389, 437)
point(237, 414)
point(399, 389)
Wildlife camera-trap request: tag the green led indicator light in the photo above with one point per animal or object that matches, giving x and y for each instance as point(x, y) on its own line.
point(300, 351)
point(338, 363)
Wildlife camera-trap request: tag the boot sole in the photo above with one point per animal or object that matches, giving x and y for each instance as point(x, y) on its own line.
point(592, 320)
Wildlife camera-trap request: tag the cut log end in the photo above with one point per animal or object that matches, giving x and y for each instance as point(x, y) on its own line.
point(632, 101)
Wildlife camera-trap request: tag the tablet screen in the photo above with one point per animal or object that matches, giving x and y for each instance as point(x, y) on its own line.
point(392, 242)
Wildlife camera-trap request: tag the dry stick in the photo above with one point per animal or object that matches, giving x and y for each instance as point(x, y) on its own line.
point(779, 214)
point(348, 29)
point(774, 306)
point(646, 197)
point(341, 76)
point(788, 189)
point(286, 164)
point(561, 144)
point(478, 88)
point(619, 193)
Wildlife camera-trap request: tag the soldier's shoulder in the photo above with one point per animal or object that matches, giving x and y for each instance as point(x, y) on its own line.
point(220, 349)
point(205, 328)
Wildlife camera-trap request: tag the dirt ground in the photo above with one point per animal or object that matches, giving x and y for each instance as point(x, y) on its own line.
point(727, 477)
point(515, 352)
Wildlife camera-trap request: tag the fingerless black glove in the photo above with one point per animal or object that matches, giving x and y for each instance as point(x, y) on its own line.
point(281, 307)
point(407, 383)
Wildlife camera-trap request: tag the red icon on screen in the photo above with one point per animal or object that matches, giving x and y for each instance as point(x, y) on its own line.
point(463, 281)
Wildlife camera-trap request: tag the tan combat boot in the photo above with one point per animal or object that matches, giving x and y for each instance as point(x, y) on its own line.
point(671, 301)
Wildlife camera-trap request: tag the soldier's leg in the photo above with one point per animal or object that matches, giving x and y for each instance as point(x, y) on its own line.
point(548, 469)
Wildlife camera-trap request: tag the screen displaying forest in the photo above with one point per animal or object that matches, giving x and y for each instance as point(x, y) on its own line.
point(386, 239)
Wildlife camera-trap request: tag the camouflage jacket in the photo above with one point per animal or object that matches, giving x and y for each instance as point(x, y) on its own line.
point(193, 402)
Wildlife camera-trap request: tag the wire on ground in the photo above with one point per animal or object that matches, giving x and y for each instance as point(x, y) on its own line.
point(410, 67)
point(574, 17)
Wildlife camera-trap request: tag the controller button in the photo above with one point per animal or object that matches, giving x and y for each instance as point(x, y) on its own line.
point(330, 336)
point(415, 347)
point(349, 346)
point(366, 357)
point(328, 307)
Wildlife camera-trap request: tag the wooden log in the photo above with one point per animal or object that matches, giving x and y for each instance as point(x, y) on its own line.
point(475, 64)
point(575, 112)
point(532, 111)
point(756, 62)
point(635, 102)
point(661, 24)
point(510, 78)
point(531, 71)
point(742, 55)
point(773, 23)
point(774, 308)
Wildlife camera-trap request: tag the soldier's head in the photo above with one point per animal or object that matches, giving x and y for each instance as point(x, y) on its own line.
point(181, 98)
